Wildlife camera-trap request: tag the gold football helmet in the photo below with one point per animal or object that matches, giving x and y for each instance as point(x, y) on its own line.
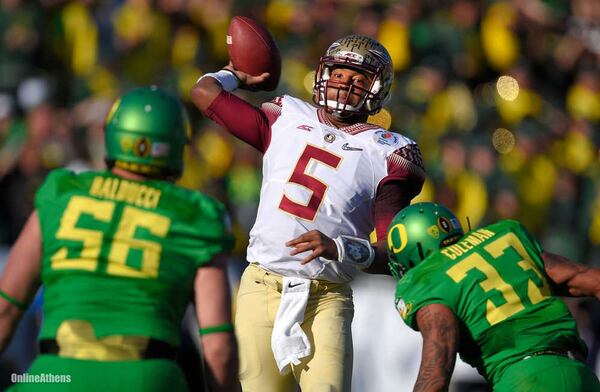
point(363, 54)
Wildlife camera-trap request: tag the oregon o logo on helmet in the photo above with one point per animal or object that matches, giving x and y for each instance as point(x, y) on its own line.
point(397, 233)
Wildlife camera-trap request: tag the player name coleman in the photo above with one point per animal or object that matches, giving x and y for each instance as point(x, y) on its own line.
point(466, 244)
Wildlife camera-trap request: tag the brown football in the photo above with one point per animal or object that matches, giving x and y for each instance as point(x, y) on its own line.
point(252, 50)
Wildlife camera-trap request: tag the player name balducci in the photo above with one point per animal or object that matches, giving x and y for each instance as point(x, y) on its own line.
point(467, 243)
point(122, 190)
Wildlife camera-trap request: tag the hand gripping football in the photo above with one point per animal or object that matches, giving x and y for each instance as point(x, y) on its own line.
point(252, 50)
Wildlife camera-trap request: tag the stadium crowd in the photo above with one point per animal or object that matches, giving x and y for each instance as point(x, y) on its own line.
point(503, 98)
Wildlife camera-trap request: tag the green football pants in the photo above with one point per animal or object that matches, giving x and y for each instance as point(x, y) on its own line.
point(54, 373)
point(548, 373)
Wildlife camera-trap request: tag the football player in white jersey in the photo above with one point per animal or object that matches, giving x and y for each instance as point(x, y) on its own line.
point(329, 179)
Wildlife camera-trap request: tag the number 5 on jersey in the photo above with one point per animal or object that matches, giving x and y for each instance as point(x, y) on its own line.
point(299, 176)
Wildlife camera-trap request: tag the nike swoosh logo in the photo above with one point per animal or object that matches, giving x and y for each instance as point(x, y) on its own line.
point(290, 285)
point(346, 147)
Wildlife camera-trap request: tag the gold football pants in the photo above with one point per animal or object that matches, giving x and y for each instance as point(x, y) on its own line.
point(327, 323)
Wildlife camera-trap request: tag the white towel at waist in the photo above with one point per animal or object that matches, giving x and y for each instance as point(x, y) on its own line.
point(288, 341)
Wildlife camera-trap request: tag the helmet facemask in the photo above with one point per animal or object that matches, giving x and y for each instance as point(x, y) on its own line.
point(341, 107)
point(362, 54)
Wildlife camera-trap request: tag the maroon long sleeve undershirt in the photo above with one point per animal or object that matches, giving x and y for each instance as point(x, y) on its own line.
point(241, 119)
point(391, 197)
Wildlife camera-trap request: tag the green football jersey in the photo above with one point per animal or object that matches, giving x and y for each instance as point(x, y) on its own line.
point(122, 255)
point(494, 281)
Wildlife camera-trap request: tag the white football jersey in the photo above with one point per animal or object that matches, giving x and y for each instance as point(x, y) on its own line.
point(317, 177)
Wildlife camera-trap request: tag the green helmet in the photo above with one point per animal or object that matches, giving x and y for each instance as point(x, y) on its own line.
point(145, 133)
point(417, 231)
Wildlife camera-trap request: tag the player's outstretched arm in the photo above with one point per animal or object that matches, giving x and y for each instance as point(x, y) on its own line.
point(21, 278)
point(213, 309)
point(237, 116)
point(209, 86)
point(205, 91)
point(439, 328)
point(572, 278)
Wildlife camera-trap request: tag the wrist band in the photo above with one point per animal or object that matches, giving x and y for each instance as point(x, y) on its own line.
point(227, 327)
point(17, 303)
point(355, 251)
point(226, 78)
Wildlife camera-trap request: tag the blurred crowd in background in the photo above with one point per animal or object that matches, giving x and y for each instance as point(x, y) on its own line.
point(502, 96)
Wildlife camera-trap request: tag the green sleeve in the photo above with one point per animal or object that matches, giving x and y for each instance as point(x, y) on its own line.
point(214, 234)
point(50, 188)
point(531, 245)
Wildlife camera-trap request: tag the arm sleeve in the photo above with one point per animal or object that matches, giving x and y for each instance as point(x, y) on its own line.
point(391, 197)
point(241, 119)
point(404, 181)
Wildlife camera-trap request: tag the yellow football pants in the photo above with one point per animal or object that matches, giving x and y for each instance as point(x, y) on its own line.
point(327, 323)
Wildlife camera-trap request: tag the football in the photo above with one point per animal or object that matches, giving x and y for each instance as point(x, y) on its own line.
point(252, 50)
